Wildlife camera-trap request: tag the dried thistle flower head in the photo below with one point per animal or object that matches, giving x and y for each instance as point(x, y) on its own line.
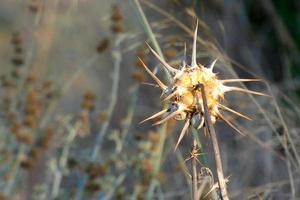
point(183, 95)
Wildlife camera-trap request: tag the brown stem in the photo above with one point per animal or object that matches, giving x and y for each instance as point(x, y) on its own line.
point(211, 130)
point(194, 171)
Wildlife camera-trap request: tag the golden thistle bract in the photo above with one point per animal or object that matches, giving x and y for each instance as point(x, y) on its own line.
point(183, 95)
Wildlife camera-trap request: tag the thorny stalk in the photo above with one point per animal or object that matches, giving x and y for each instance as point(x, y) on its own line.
point(194, 170)
point(211, 130)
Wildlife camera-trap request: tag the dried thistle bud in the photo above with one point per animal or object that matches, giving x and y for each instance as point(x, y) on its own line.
point(116, 14)
point(8, 84)
point(16, 128)
point(31, 79)
point(103, 45)
point(32, 97)
point(16, 39)
point(117, 20)
point(18, 50)
point(184, 94)
point(89, 96)
point(33, 7)
point(17, 61)
point(47, 85)
point(87, 105)
point(27, 163)
point(30, 121)
point(45, 141)
point(117, 28)
point(88, 101)
point(72, 163)
point(96, 170)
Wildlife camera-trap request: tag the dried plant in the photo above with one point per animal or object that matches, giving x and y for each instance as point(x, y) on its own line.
point(195, 94)
point(72, 95)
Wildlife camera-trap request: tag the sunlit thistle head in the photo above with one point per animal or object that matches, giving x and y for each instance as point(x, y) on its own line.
point(183, 95)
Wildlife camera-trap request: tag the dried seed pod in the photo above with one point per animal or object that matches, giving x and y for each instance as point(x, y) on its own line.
point(18, 50)
point(72, 163)
point(16, 128)
point(116, 14)
point(24, 136)
point(117, 20)
point(92, 186)
point(30, 121)
point(17, 61)
point(45, 141)
point(16, 38)
point(117, 28)
point(32, 97)
point(8, 84)
point(96, 170)
point(89, 96)
point(31, 79)
point(103, 45)
point(27, 163)
point(33, 7)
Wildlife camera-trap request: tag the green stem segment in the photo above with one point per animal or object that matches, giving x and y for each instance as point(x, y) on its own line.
point(194, 171)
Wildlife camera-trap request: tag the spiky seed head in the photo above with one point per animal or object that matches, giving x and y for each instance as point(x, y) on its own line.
point(184, 94)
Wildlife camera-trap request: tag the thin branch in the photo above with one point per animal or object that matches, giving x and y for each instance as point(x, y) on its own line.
point(209, 125)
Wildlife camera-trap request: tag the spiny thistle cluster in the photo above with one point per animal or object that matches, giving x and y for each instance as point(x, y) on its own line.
point(184, 96)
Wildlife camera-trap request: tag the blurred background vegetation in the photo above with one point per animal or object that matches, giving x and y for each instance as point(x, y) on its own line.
point(73, 94)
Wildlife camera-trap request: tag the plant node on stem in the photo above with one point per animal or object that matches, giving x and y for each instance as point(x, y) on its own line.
point(194, 170)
